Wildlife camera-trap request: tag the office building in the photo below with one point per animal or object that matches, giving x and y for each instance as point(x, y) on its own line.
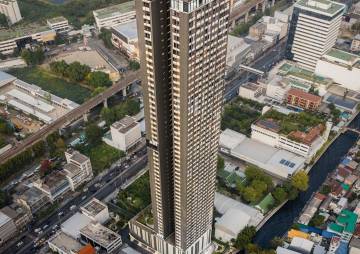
point(313, 30)
point(19, 214)
point(53, 185)
point(59, 24)
point(7, 228)
point(96, 211)
point(125, 38)
point(302, 99)
point(10, 9)
point(183, 57)
point(114, 15)
point(123, 134)
point(101, 237)
point(342, 67)
point(78, 169)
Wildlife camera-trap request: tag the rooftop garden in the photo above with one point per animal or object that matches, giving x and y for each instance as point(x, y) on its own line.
point(302, 121)
point(240, 114)
point(291, 70)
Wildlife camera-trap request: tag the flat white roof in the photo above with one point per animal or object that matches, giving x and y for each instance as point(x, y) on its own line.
point(5, 78)
point(65, 243)
point(128, 29)
point(4, 218)
point(230, 139)
point(43, 106)
point(234, 220)
point(281, 250)
point(301, 244)
point(74, 224)
point(26, 109)
point(277, 162)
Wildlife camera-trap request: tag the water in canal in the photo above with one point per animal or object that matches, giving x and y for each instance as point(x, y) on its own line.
point(279, 224)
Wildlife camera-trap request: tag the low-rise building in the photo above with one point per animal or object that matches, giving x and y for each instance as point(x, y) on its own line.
point(7, 228)
point(123, 134)
point(96, 211)
point(53, 185)
point(355, 44)
point(345, 225)
point(342, 67)
point(257, 31)
point(304, 100)
point(10, 9)
point(59, 24)
point(74, 224)
point(63, 244)
point(354, 246)
point(251, 91)
point(32, 199)
point(78, 168)
point(302, 143)
point(19, 214)
point(124, 37)
point(114, 15)
point(238, 52)
point(301, 245)
point(101, 237)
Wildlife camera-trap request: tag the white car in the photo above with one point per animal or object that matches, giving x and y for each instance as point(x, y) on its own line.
point(19, 244)
point(72, 207)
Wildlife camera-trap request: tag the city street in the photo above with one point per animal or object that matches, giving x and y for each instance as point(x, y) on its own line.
point(110, 185)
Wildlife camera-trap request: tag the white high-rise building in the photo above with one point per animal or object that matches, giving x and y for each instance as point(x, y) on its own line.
point(313, 30)
point(11, 10)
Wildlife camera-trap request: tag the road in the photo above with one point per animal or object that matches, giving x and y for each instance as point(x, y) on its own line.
point(123, 175)
point(264, 63)
point(130, 78)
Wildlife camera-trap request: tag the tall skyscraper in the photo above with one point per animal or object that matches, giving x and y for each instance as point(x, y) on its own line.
point(10, 9)
point(313, 30)
point(183, 54)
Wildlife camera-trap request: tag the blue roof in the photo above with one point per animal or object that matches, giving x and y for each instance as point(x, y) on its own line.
point(346, 161)
point(343, 248)
point(128, 29)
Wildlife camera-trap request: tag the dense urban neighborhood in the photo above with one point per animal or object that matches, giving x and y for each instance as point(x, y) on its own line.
point(179, 127)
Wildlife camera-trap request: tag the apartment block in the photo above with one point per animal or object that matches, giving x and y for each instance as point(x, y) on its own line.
point(11, 10)
point(302, 99)
point(7, 228)
point(114, 15)
point(78, 168)
point(183, 60)
point(59, 24)
point(313, 30)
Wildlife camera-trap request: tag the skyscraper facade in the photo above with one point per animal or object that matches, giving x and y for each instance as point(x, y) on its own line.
point(313, 30)
point(183, 55)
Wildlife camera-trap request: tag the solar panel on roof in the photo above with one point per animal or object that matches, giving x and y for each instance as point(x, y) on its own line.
point(282, 161)
point(292, 165)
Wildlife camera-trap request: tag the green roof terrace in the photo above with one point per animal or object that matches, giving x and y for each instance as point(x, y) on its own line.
point(326, 7)
point(347, 219)
point(115, 10)
point(21, 31)
point(342, 55)
point(294, 72)
point(57, 20)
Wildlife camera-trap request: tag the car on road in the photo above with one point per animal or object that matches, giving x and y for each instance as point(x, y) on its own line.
point(45, 227)
point(19, 244)
point(37, 230)
point(85, 189)
point(72, 207)
point(61, 213)
point(83, 198)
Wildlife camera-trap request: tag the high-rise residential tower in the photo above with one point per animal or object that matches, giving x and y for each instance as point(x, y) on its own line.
point(183, 54)
point(10, 9)
point(313, 30)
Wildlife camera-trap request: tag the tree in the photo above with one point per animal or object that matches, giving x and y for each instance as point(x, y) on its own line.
point(60, 146)
point(317, 220)
point(291, 191)
point(45, 167)
point(276, 242)
point(250, 194)
point(325, 189)
point(98, 79)
point(220, 163)
point(134, 65)
point(279, 194)
point(300, 181)
point(93, 134)
point(33, 57)
point(2, 56)
point(105, 35)
point(3, 20)
point(245, 237)
point(98, 90)
point(77, 71)
point(59, 67)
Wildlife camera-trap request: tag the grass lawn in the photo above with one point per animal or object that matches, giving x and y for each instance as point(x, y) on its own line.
point(57, 86)
point(137, 196)
point(102, 156)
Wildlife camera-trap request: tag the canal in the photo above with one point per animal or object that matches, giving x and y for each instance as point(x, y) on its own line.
point(280, 223)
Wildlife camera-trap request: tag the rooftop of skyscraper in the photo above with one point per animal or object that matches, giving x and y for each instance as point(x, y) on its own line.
point(323, 6)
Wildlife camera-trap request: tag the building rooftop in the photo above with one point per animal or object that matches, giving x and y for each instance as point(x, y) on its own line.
point(251, 86)
point(304, 95)
point(301, 244)
point(128, 29)
point(4, 218)
point(268, 124)
point(32, 195)
point(57, 20)
point(347, 219)
point(53, 180)
point(325, 7)
point(65, 243)
point(72, 169)
point(23, 31)
point(115, 10)
point(74, 224)
point(307, 137)
point(343, 55)
point(94, 207)
point(233, 220)
point(6, 78)
point(230, 139)
point(100, 234)
point(282, 250)
point(79, 157)
point(125, 124)
point(355, 242)
point(266, 203)
point(87, 249)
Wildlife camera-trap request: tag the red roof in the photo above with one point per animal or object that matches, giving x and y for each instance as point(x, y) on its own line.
point(320, 196)
point(308, 137)
point(87, 249)
point(344, 172)
point(304, 95)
